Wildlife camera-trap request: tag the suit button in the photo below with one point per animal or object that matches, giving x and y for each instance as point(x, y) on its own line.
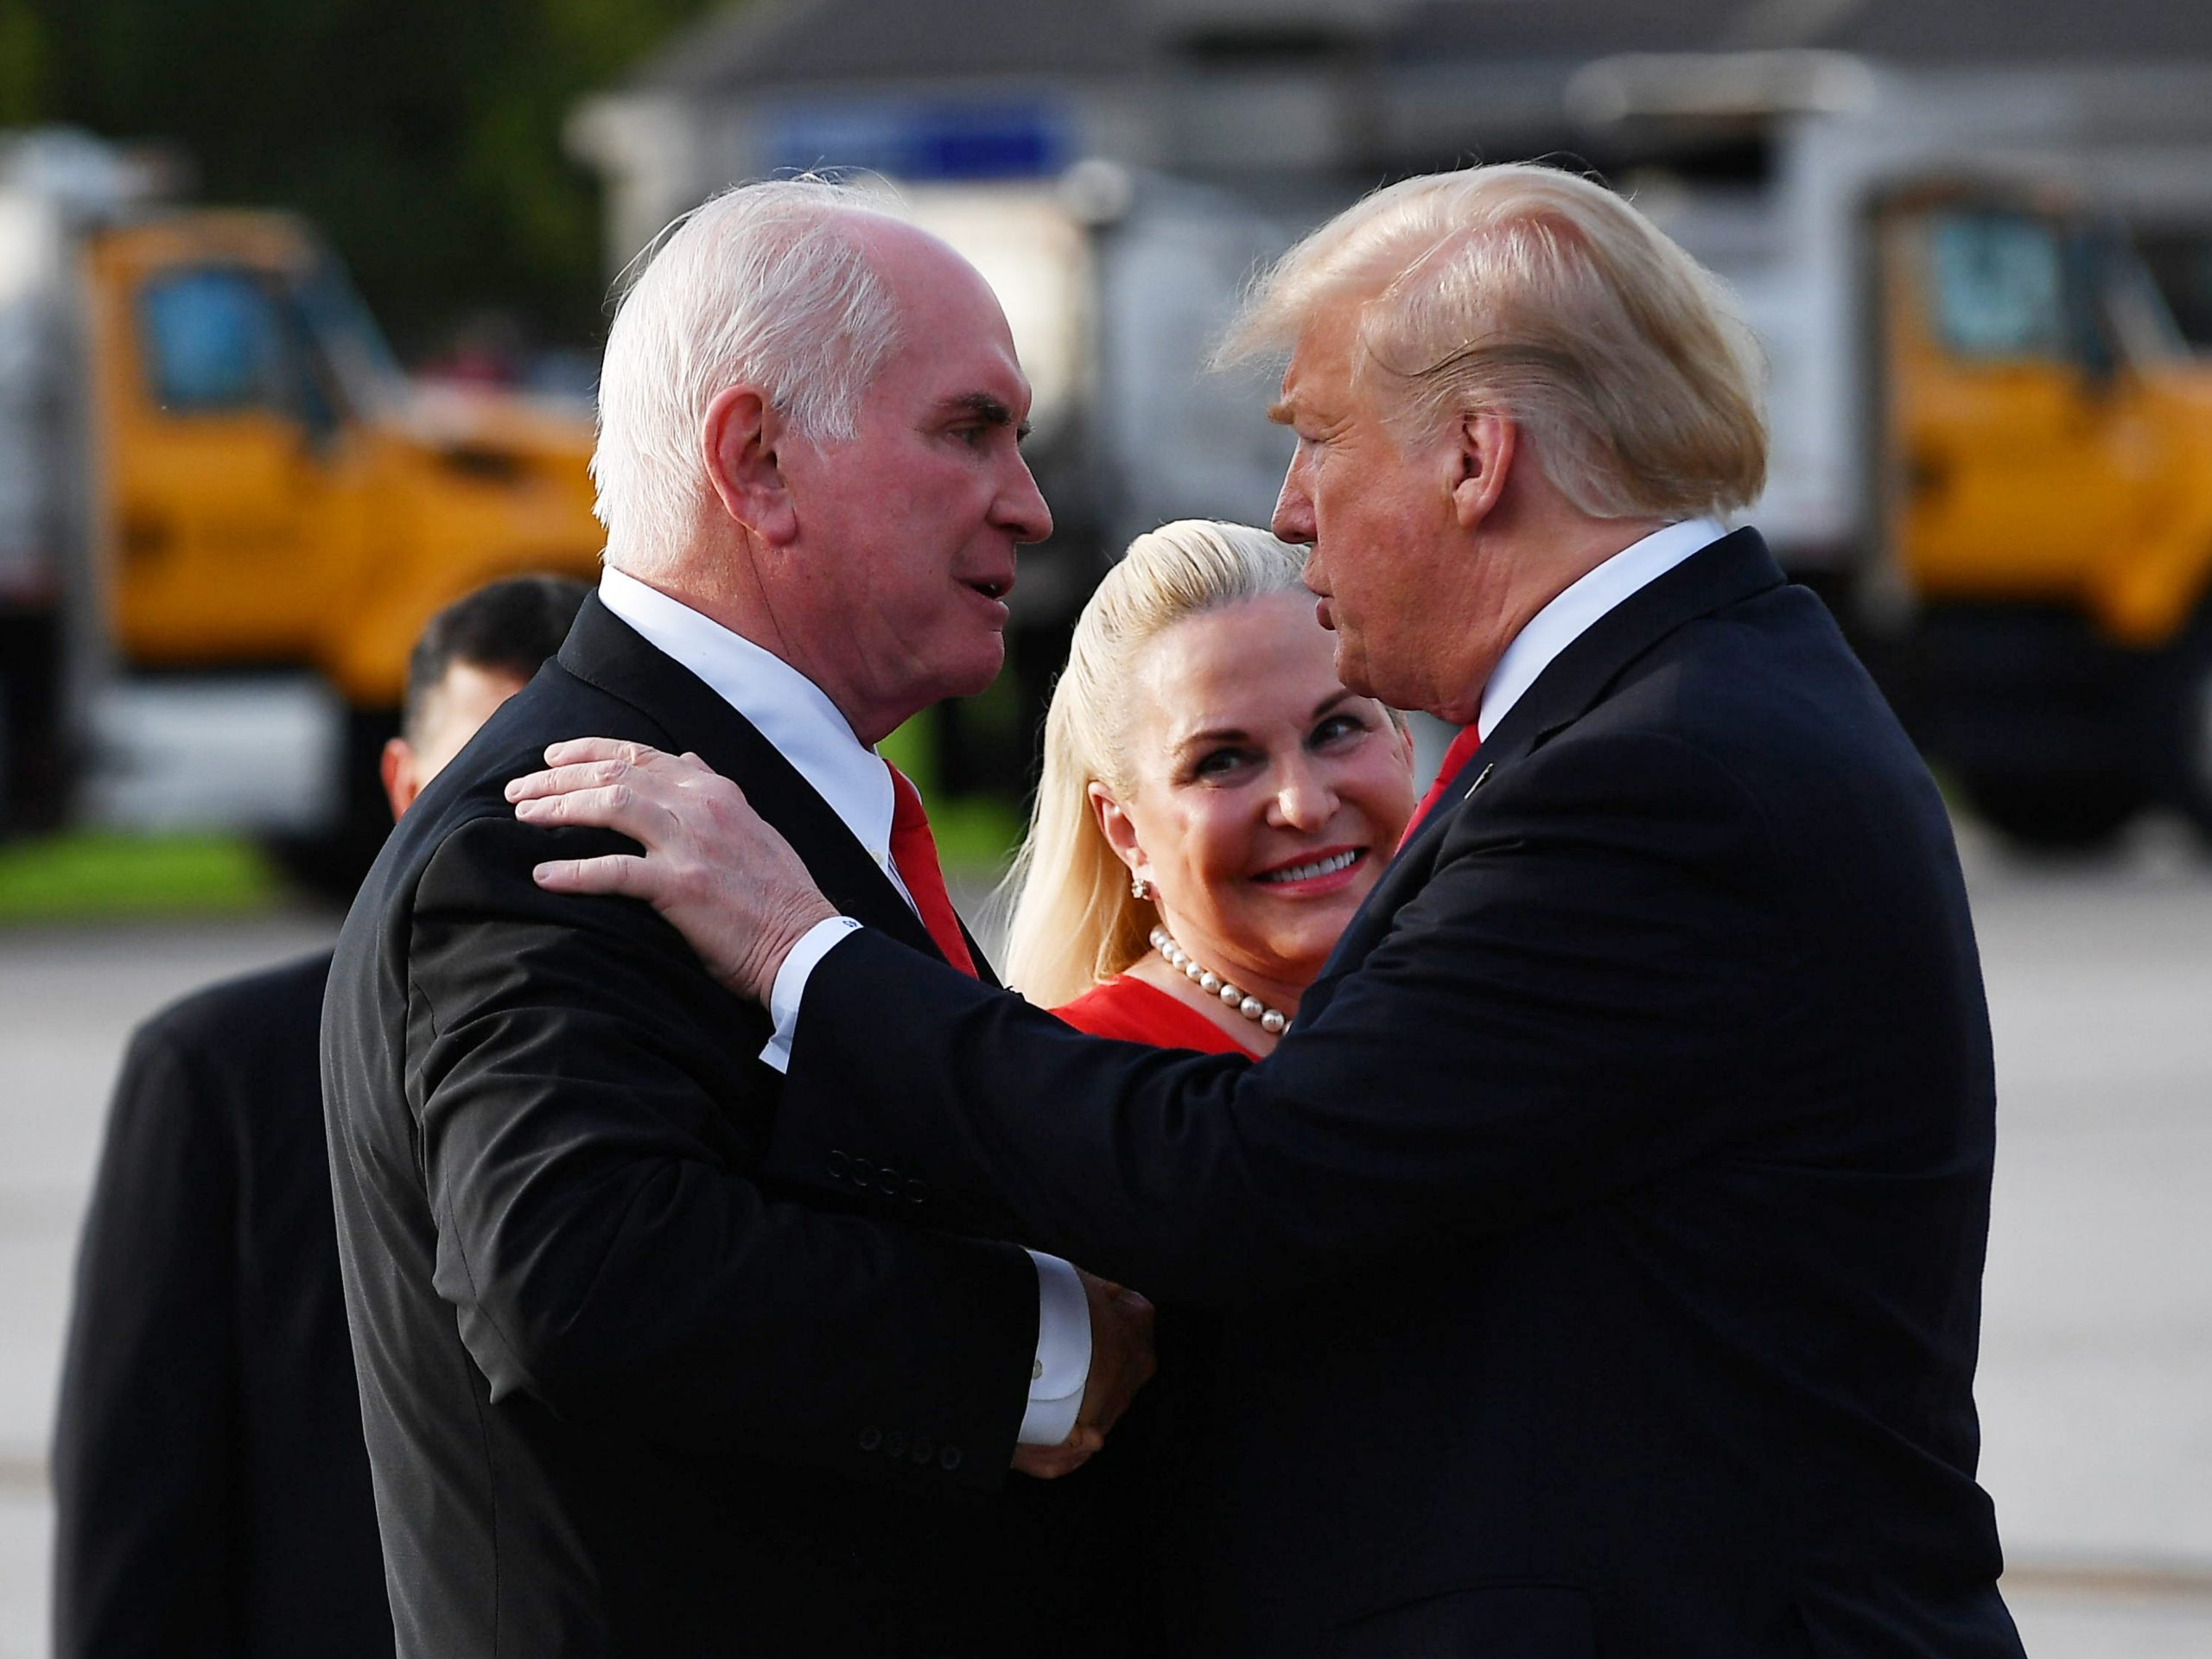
point(888, 1181)
point(862, 1170)
point(871, 1438)
point(917, 1191)
point(895, 1444)
point(838, 1166)
point(924, 1449)
point(949, 1459)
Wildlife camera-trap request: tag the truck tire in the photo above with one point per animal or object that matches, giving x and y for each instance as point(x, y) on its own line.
point(2063, 815)
point(2186, 726)
point(327, 868)
point(33, 785)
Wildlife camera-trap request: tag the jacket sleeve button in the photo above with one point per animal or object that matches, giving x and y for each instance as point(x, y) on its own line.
point(871, 1438)
point(838, 1166)
point(924, 1449)
point(918, 1192)
point(949, 1459)
point(895, 1444)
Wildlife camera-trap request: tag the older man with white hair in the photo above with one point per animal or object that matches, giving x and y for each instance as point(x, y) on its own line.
point(1601, 1249)
point(621, 1393)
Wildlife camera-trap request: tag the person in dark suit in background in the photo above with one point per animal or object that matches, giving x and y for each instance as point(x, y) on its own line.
point(622, 1394)
point(211, 1490)
point(1602, 1244)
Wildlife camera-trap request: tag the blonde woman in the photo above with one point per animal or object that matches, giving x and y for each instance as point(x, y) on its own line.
point(1214, 805)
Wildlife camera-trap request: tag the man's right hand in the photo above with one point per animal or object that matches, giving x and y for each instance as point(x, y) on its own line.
point(1122, 1362)
point(727, 882)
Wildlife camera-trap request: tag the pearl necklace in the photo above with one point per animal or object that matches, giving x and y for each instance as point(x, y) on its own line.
point(1274, 1022)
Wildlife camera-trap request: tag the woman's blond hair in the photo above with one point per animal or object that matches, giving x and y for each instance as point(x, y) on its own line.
point(1075, 922)
point(1528, 292)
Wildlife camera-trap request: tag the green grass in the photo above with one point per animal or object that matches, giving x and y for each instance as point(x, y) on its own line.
point(974, 833)
point(98, 874)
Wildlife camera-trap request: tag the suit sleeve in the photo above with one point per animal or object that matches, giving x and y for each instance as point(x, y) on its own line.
point(145, 1444)
point(1558, 1013)
point(592, 1113)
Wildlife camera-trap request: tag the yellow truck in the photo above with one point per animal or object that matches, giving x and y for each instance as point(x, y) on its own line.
point(1992, 447)
point(225, 512)
point(2044, 468)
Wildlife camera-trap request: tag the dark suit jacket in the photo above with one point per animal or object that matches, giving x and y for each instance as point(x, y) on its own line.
point(211, 1490)
point(1603, 1247)
point(623, 1396)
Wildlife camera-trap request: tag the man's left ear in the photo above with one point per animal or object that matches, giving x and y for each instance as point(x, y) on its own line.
point(740, 443)
point(397, 768)
point(1483, 453)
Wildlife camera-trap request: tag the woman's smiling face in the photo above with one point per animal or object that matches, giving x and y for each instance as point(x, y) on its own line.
point(1263, 797)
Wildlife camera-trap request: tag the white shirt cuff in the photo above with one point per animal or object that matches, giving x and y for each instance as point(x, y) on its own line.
point(785, 995)
point(1063, 1363)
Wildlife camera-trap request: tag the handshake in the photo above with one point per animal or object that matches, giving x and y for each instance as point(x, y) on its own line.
point(1122, 1362)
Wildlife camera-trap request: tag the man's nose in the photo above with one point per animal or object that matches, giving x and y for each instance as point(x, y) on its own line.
point(1020, 506)
point(1293, 516)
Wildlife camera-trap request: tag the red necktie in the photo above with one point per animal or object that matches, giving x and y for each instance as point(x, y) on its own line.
point(913, 849)
point(1462, 750)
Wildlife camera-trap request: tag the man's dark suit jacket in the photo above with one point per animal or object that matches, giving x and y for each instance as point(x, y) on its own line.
point(211, 1489)
point(1603, 1247)
point(621, 1395)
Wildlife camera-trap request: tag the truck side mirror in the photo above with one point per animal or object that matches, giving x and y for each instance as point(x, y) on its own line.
point(2095, 349)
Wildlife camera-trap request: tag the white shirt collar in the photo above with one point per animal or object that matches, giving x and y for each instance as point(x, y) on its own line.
point(1570, 615)
point(785, 706)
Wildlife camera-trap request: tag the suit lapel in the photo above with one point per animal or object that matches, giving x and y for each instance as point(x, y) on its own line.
point(606, 653)
point(1727, 571)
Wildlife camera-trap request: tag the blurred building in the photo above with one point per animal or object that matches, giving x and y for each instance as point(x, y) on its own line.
point(1276, 96)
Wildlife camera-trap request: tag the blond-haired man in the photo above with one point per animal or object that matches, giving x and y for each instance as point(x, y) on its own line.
point(1602, 1247)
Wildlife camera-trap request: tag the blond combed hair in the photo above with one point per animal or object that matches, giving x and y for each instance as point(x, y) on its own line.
point(1075, 922)
point(768, 283)
point(1528, 292)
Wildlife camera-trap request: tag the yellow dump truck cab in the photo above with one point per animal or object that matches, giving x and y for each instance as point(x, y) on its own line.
point(2044, 455)
point(270, 493)
point(275, 490)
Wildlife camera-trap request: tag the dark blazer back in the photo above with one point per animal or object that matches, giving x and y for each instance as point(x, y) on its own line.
point(211, 1490)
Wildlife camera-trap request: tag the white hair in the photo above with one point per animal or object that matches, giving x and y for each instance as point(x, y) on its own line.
point(769, 284)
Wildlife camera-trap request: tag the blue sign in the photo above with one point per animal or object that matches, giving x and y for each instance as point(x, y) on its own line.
point(933, 141)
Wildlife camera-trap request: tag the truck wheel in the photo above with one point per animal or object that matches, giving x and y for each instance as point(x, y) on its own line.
point(328, 867)
point(2187, 759)
point(2061, 815)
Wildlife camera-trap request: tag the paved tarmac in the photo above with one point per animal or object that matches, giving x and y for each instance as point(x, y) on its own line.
point(2096, 1379)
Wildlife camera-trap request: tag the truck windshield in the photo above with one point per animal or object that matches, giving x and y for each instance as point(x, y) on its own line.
point(349, 340)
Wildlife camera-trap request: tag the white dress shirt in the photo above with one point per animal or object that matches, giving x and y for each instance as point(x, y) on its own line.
point(792, 713)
